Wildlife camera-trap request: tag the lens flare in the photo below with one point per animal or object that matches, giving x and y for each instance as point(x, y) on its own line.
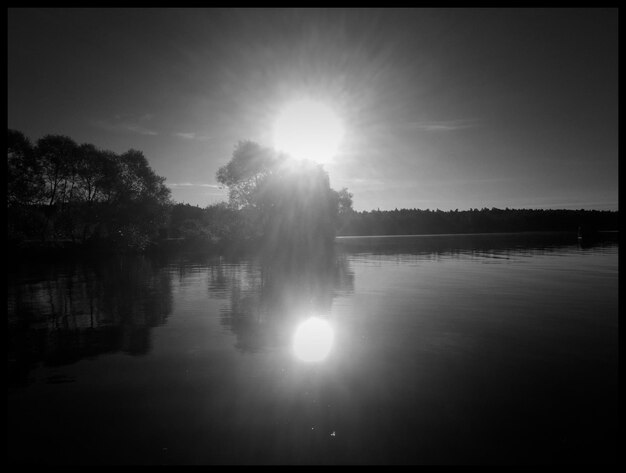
point(307, 129)
point(313, 340)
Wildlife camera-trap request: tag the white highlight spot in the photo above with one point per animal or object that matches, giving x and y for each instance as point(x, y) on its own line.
point(313, 340)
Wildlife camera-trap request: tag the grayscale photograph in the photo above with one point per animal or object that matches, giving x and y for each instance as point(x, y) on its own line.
point(312, 236)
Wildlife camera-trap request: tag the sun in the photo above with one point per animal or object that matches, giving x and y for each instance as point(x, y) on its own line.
point(307, 129)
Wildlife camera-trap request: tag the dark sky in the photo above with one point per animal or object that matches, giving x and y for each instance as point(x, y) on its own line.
point(443, 108)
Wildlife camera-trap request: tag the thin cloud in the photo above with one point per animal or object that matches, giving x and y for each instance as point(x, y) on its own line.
point(141, 130)
point(442, 126)
point(192, 136)
point(128, 123)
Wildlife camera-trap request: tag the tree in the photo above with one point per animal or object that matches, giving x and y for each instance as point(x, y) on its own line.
point(61, 190)
point(245, 172)
point(24, 183)
point(57, 155)
point(137, 199)
point(91, 170)
point(284, 200)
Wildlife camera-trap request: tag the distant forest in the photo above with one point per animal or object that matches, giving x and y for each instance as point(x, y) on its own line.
point(417, 222)
point(60, 193)
point(197, 223)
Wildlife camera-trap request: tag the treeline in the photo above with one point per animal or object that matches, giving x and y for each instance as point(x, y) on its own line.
point(280, 205)
point(63, 193)
point(58, 190)
point(198, 226)
point(417, 222)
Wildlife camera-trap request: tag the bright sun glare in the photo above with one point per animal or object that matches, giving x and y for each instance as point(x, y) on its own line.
point(313, 340)
point(307, 129)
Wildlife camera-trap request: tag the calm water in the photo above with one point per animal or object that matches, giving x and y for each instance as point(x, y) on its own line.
point(444, 349)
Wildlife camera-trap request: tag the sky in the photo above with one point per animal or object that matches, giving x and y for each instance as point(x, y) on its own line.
point(442, 108)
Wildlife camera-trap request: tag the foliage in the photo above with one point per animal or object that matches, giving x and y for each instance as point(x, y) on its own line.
point(245, 172)
point(282, 200)
point(24, 180)
point(59, 190)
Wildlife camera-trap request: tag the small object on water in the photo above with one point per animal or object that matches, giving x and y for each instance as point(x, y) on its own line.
point(333, 434)
point(588, 233)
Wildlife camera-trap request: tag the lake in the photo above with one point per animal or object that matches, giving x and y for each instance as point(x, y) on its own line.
point(499, 348)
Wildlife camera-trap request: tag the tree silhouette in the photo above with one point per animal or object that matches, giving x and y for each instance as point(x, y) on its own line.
point(61, 190)
point(24, 181)
point(284, 201)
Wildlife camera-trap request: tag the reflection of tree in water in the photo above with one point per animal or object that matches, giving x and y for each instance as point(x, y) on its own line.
point(264, 297)
point(59, 314)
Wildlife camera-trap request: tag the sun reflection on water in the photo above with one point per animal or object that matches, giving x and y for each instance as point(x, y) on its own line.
point(313, 340)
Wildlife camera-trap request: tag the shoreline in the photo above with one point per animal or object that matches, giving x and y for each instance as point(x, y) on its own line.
point(66, 248)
